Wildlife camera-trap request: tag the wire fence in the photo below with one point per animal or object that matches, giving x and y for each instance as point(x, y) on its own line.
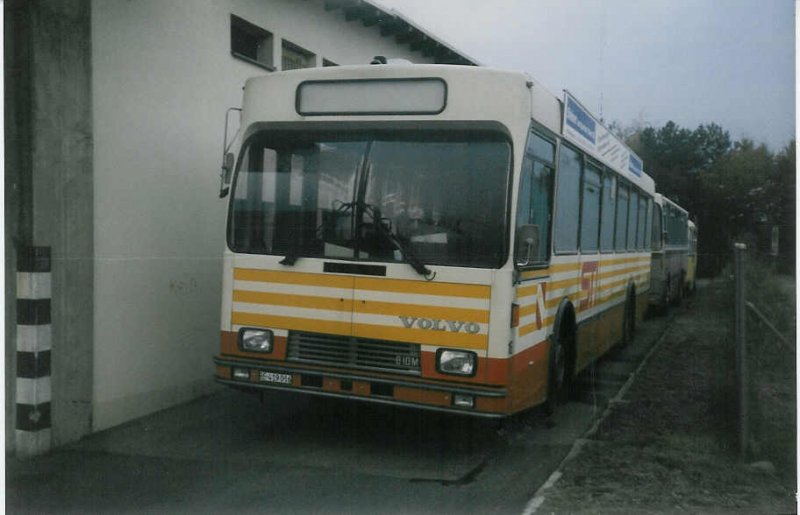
point(765, 355)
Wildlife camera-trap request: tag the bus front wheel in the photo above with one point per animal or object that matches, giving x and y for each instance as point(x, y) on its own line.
point(559, 370)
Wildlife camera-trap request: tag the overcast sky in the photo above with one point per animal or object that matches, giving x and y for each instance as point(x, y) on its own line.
point(731, 62)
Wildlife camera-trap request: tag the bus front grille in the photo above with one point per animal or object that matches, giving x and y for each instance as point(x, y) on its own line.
point(352, 352)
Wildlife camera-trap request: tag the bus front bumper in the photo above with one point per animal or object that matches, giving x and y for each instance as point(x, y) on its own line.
point(443, 397)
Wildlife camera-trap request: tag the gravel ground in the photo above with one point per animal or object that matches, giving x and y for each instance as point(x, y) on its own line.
point(670, 446)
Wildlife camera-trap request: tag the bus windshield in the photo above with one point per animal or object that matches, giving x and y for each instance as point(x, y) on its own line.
point(438, 195)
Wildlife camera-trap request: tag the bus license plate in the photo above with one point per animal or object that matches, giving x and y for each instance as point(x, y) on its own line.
point(272, 377)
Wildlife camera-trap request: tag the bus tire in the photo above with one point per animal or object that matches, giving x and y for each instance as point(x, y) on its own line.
point(629, 317)
point(681, 293)
point(667, 297)
point(561, 359)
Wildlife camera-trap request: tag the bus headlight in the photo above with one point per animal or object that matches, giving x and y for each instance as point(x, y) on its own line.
point(456, 362)
point(255, 340)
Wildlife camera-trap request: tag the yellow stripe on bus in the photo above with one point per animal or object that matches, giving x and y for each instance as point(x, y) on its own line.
point(552, 269)
point(576, 265)
point(422, 336)
point(615, 284)
point(292, 323)
point(304, 278)
point(423, 287)
point(624, 271)
point(566, 283)
point(371, 307)
point(529, 328)
point(527, 309)
point(619, 261)
point(417, 310)
point(551, 286)
point(534, 274)
point(298, 301)
point(528, 290)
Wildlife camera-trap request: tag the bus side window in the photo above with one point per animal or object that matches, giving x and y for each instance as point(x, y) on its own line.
point(657, 230)
point(590, 209)
point(620, 241)
point(640, 234)
point(608, 209)
point(633, 219)
point(568, 191)
point(648, 226)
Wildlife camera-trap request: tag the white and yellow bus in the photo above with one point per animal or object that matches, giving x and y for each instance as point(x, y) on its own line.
point(670, 257)
point(440, 237)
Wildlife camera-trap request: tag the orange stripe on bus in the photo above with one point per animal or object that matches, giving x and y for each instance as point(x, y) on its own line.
point(423, 287)
point(300, 301)
point(304, 278)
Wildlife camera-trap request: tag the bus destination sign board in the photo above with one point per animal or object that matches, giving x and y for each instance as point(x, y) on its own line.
point(583, 129)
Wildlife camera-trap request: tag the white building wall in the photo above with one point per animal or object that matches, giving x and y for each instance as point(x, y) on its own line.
point(163, 77)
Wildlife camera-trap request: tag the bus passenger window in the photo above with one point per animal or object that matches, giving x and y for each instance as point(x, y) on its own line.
point(640, 235)
point(648, 226)
point(622, 217)
point(633, 217)
point(541, 148)
point(657, 231)
point(608, 212)
point(590, 209)
point(568, 186)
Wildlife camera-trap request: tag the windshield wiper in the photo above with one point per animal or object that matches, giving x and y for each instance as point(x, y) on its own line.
point(292, 247)
point(408, 254)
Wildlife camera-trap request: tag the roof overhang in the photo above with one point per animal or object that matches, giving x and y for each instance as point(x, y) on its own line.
point(392, 24)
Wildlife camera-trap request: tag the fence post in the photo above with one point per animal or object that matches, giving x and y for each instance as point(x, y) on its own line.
point(741, 344)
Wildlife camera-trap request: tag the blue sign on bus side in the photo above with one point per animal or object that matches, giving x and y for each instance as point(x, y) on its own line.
point(635, 165)
point(581, 121)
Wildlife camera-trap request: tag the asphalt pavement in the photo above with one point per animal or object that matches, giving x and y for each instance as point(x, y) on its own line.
point(232, 452)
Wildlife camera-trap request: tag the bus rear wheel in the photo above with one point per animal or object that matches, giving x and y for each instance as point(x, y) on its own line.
point(559, 371)
point(677, 297)
point(629, 319)
point(667, 293)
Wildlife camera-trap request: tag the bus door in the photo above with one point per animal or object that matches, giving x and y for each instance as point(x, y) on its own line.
point(534, 317)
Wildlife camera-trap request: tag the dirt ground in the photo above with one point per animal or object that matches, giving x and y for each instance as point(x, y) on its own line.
point(670, 446)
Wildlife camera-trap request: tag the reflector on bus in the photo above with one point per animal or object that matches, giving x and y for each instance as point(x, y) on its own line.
point(371, 96)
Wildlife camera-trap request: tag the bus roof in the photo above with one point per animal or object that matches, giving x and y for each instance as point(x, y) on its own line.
point(661, 200)
point(413, 93)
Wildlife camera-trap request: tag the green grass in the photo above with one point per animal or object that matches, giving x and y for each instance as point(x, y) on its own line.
point(771, 367)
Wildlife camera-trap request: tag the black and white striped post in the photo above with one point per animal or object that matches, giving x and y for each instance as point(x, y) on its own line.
point(34, 342)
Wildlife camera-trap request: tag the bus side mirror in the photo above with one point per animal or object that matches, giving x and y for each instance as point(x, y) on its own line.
point(527, 244)
point(225, 174)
